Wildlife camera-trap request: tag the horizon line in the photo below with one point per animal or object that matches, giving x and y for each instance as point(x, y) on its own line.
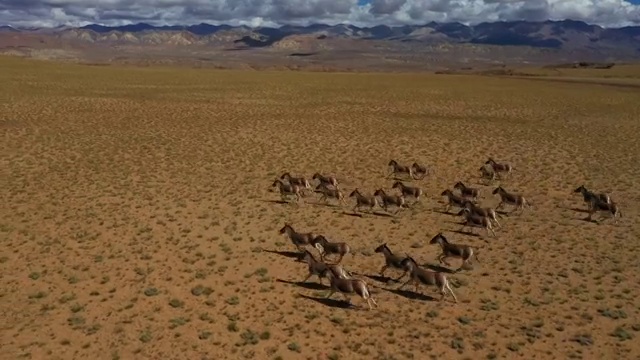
point(315, 23)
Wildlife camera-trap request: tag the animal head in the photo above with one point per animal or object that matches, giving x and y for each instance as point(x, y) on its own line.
point(464, 211)
point(458, 185)
point(319, 247)
point(354, 192)
point(392, 163)
point(497, 190)
point(436, 239)
point(307, 254)
point(490, 161)
point(327, 273)
point(396, 184)
point(468, 203)
point(285, 176)
point(580, 189)
point(381, 247)
point(379, 192)
point(285, 227)
point(408, 263)
point(446, 192)
point(320, 239)
point(315, 176)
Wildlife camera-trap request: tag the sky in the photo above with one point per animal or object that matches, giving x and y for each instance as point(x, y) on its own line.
point(49, 13)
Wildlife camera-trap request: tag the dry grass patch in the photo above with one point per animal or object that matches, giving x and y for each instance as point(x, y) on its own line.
point(137, 213)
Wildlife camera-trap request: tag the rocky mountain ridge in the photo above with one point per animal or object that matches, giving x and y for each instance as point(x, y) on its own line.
point(548, 34)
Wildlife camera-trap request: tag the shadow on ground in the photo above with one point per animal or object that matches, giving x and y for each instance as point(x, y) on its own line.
point(352, 214)
point(290, 254)
point(380, 278)
point(281, 202)
point(305, 285)
point(444, 212)
point(340, 304)
point(407, 294)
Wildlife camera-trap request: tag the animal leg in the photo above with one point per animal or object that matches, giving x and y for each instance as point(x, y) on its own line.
point(500, 205)
point(451, 291)
point(346, 297)
point(489, 229)
point(497, 223)
point(384, 268)
point(307, 278)
point(404, 284)
point(400, 277)
point(340, 259)
point(372, 300)
point(331, 292)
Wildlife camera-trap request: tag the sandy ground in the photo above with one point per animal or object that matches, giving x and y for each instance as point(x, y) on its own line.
point(137, 220)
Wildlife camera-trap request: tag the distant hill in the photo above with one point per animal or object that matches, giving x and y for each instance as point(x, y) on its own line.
point(566, 40)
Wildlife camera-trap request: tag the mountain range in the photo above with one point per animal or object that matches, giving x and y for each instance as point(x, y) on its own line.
point(524, 41)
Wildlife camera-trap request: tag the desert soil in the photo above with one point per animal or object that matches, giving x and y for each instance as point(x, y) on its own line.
point(137, 220)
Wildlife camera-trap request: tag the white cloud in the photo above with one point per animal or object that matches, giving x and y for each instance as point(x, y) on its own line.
point(272, 12)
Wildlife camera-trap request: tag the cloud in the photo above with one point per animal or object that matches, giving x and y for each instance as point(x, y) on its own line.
point(300, 12)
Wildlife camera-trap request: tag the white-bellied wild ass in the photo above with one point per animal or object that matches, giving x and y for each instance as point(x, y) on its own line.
point(369, 201)
point(467, 192)
point(318, 268)
point(610, 208)
point(418, 275)
point(327, 193)
point(450, 250)
point(390, 260)
point(508, 198)
point(287, 190)
point(420, 171)
point(500, 168)
point(588, 195)
point(491, 213)
point(326, 247)
point(397, 169)
point(299, 180)
point(474, 220)
point(326, 179)
point(408, 191)
point(388, 200)
point(350, 286)
point(452, 200)
point(487, 172)
point(298, 239)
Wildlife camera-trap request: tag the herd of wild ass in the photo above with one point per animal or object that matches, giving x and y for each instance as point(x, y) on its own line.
point(460, 195)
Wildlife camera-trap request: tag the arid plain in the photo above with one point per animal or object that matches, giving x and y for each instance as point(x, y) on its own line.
point(137, 219)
